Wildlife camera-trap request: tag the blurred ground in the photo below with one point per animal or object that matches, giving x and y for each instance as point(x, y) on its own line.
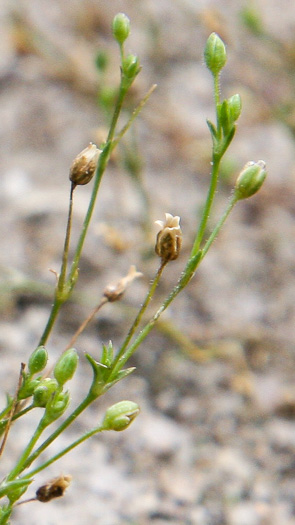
point(215, 441)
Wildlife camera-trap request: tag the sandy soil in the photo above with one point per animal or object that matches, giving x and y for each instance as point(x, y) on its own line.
point(215, 441)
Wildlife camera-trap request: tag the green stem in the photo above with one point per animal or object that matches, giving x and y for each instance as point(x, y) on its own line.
point(16, 416)
point(208, 205)
point(5, 513)
point(183, 281)
point(20, 465)
point(133, 116)
point(217, 99)
point(119, 359)
point(63, 452)
point(85, 403)
point(186, 276)
point(219, 225)
point(51, 320)
point(63, 271)
point(69, 284)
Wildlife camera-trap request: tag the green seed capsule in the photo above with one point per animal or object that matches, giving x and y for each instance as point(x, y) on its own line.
point(66, 366)
point(38, 360)
point(119, 416)
point(250, 179)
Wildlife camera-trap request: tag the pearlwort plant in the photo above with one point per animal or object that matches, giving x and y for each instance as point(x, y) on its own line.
point(46, 390)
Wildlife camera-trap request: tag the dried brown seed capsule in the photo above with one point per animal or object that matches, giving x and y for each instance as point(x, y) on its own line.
point(84, 165)
point(115, 292)
point(169, 238)
point(55, 488)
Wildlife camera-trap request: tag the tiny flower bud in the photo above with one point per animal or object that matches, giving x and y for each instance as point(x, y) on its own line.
point(28, 387)
point(66, 366)
point(38, 360)
point(121, 27)
point(234, 107)
point(55, 407)
point(44, 391)
point(119, 416)
point(55, 488)
point(84, 165)
point(250, 179)
point(115, 292)
point(130, 66)
point(169, 238)
point(215, 54)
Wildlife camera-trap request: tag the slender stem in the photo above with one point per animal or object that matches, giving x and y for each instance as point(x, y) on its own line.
point(219, 225)
point(103, 160)
point(63, 271)
point(5, 513)
point(51, 320)
point(15, 416)
point(133, 116)
point(63, 452)
point(102, 163)
point(217, 98)
point(81, 328)
point(19, 467)
point(208, 205)
point(13, 409)
point(85, 403)
point(119, 359)
point(183, 281)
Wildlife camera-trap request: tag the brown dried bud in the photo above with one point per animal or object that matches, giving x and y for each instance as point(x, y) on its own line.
point(84, 165)
point(55, 488)
point(115, 292)
point(169, 238)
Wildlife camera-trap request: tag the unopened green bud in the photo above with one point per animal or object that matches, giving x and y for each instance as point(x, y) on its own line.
point(250, 179)
point(66, 366)
point(56, 407)
point(44, 391)
point(130, 66)
point(119, 416)
point(28, 387)
point(38, 360)
point(84, 165)
point(215, 54)
point(121, 27)
point(234, 107)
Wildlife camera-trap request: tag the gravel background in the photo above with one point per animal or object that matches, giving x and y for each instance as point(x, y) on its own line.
point(215, 441)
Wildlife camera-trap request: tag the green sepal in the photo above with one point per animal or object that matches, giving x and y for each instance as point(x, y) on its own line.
point(120, 375)
point(220, 147)
point(224, 117)
point(100, 373)
point(212, 129)
point(14, 489)
point(107, 354)
point(55, 407)
point(28, 386)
